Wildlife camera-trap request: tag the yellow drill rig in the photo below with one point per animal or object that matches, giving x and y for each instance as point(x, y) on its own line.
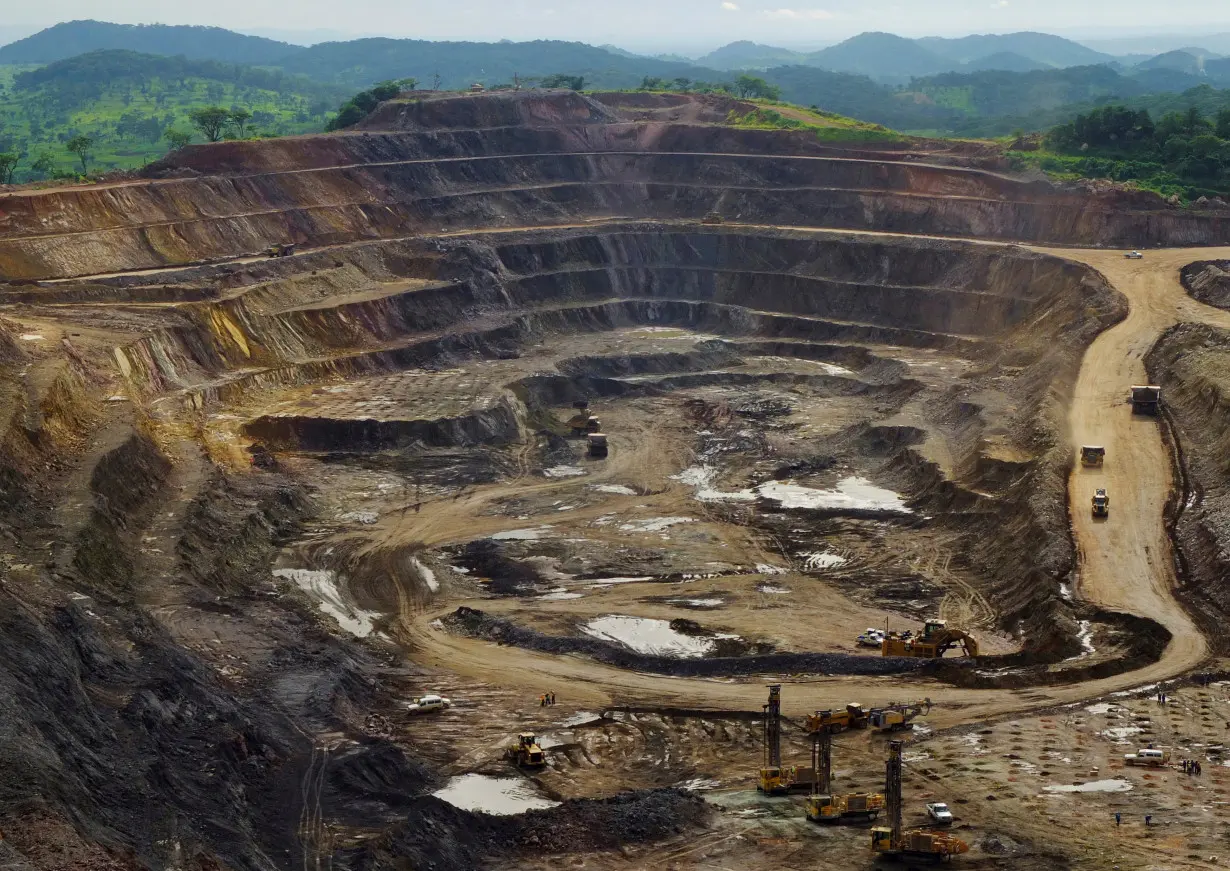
point(775, 777)
point(891, 840)
point(822, 805)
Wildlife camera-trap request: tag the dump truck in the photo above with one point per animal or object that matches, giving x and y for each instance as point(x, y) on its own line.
point(596, 442)
point(712, 218)
point(1093, 455)
point(583, 424)
point(892, 841)
point(1146, 399)
point(281, 250)
point(526, 753)
point(1101, 503)
point(1148, 757)
point(936, 640)
point(851, 717)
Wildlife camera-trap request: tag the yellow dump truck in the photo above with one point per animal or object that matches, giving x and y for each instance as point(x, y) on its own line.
point(1092, 455)
point(1101, 503)
point(834, 808)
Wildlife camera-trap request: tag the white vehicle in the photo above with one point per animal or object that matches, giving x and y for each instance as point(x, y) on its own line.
point(939, 812)
point(430, 703)
point(1134, 255)
point(1148, 757)
point(871, 638)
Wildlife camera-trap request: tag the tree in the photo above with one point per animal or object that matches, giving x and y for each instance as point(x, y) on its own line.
point(80, 145)
point(1223, 123)
point(211, 121)
point(240, 118)
point(177, 139)
point(44, 164)
point(753, 86)
point(8, 166)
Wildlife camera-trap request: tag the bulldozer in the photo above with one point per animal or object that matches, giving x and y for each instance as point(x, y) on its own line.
point(918, 844)
point(897, 717)
point(822, 805)
point(1092, 456)
point(774, 777)
point(526, 753)
point(851, 717)
point(936, 640)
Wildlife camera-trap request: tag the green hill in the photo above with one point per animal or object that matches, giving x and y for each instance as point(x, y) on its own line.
point(1043, 48)
point(360, 63)
point(745, 55)
point(72, 38)
point(883, 56)
point(125, 102)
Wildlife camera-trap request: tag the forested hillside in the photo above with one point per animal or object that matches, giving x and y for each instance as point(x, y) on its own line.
point(125, 103)
point(72, 38)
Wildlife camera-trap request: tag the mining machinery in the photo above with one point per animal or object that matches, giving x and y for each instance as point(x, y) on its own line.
point(892, 840)
point(823, 806)
point(851, 717)
point(775, 777)
point(936, 640)
point(526, 752)
point(897, 717)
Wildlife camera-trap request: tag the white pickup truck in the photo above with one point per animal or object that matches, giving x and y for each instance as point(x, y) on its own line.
point(430, 703)
point(939, 812)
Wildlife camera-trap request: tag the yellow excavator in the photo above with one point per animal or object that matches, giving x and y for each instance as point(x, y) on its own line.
point(919, 844)
point(936, 640)
point(823, 806)
point(776, 778)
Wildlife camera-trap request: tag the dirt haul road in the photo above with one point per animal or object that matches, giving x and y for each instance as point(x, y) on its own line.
point(1125, 562)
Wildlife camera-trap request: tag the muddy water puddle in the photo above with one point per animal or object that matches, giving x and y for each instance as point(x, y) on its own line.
point(500, 796)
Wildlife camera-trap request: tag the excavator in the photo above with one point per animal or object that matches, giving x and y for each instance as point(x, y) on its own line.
point(526, 752)
point(822, 805)
point(936, 640)
point(776, 778)
point(898, 717)
point(918, 844)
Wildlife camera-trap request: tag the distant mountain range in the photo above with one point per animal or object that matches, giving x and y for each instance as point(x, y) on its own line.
point(72, 38)
point(974, 84)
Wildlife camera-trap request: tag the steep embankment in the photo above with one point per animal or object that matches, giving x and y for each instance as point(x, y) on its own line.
point(478, 162)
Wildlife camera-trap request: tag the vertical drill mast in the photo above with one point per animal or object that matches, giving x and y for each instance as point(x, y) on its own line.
point(773, 728)
point(892, 790)
point(822, 761)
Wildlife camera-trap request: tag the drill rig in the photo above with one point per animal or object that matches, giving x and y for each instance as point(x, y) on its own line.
point(891, 840)
point(774, 777)
point(822, 805)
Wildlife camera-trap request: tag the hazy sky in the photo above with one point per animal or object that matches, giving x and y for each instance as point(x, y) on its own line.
point(639, 24)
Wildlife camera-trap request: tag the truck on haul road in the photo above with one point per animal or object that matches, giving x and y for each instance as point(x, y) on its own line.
point(1093, 455)
point(1101, 503)
point(1146, 399)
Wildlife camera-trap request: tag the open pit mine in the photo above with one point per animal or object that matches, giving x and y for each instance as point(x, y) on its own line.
point(447, 492)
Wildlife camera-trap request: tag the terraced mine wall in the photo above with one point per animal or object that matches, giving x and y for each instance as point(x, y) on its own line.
point(1208, 281)
point(334, 190)
point(1191, 362)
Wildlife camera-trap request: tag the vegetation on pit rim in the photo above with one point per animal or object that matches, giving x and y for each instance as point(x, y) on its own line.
point(1184, 154)
point(126, 103)
point(826, 125)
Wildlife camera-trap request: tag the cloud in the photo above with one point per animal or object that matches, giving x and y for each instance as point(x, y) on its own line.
point(730, 7)
point(999, 4)
point(801, 14)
